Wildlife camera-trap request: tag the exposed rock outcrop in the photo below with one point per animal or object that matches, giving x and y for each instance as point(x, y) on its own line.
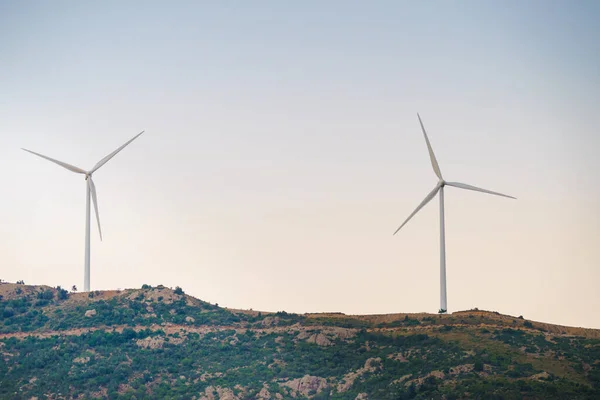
point(371, 365)
point(264, 394)
point(306, 386)
point(218, 393)
point(151, 342)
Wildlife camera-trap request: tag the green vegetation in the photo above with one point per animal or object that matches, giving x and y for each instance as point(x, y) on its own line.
point(160, 343)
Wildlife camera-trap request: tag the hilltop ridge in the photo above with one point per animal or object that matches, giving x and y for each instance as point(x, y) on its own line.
point(160, 342)
point(168, 295)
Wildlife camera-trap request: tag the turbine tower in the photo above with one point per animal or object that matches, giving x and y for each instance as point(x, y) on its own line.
point(89, 190)
point(439, 187)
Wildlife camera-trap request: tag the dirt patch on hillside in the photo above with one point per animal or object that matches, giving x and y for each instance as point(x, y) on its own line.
point(12, 291)
point(84, 297)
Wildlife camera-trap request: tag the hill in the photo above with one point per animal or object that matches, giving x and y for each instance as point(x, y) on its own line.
point(156, 342)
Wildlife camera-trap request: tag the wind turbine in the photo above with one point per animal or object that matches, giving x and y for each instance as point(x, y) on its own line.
point(439, 187)
point(90, 189)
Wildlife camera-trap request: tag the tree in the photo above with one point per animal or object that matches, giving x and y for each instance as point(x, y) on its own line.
point(178, 290)
point(74, 288)
point(20, 282)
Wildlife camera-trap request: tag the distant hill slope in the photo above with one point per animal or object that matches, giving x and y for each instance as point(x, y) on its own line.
point(156, 342)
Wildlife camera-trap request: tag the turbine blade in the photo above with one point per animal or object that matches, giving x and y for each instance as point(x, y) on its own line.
point(423, 203)
point(434, 163)
point(469, 187)
point(114, 153)
point(62, 164)
point(95, 200)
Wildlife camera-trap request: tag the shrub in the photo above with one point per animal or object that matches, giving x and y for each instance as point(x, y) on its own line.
point(62, 293)
point(178, 291)
point(478, 366)
point(46, 295)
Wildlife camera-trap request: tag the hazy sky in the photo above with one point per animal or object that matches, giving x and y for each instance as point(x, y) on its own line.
point(282, 150)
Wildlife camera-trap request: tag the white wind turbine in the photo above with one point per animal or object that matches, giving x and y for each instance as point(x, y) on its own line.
point(440, 188)
point(90, 189)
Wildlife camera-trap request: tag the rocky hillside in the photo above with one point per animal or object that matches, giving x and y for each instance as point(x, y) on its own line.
point(156, 342)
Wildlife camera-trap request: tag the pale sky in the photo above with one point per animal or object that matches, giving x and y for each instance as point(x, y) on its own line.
point(282, 150)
